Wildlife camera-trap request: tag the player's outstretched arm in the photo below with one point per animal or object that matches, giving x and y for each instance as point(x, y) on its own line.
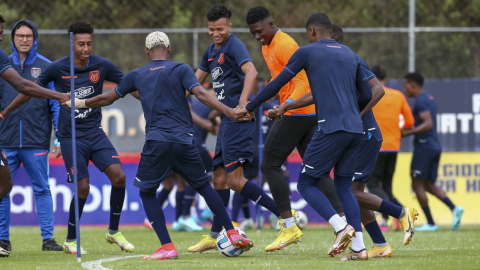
point(250, 78)
point(304, 101)
point(206, 98)
point(95, 102)
point(426, 125)
point(29, 88)
point(377, 94)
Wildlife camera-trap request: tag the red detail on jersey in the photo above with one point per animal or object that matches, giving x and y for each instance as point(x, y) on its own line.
point(115, 157)
point(40, 154)
point(211, 59)
point(94, 76)
point(221, 59)
point(431, 97)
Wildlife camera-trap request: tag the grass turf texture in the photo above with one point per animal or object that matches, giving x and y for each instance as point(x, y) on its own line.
point(441, 250)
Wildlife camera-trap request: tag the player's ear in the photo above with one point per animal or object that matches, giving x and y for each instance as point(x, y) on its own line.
point(230, 25)
point(147, 51)
point(169, 49)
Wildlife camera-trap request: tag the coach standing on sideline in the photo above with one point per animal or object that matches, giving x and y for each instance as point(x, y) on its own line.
point(26, 133)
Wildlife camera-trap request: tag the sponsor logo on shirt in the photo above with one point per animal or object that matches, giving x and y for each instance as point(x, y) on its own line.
point(338, 47)
point(94, 76)
point(220, 95)
point(84, 114)
point(84, 91)
point(218, 85)
point(221, 59)
point(68, 77)
point(157, 68)
point(36, 72)
point(216, 72)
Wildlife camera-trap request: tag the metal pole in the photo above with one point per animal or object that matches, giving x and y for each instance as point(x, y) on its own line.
point(195, 50)
point(260, 156)
point(74, 150)
point(411, 37)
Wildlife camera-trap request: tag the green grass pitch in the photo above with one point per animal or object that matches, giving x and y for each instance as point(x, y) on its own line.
point(438, 250)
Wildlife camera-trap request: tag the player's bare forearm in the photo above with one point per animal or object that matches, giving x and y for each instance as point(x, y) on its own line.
point(377, 93)
point(29, 88)
point(135, 95)
point(213, 103)
point(304, 101)
point(101, 100)
point(17, 102)
point(250, 79)
point(425, 126)
point(201, 122)
point(201, 75)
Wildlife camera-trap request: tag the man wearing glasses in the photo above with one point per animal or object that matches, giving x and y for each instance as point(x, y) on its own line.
point(26, 133)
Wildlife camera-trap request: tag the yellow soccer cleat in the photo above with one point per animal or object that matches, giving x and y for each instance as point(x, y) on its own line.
point(380, 252)
point(206, 243)
point(406, 222)
point(235, 224)
point(285, 237)
point(120, 240)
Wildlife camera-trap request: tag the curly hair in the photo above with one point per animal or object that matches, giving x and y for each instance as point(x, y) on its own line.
point(157, 39)
point(217, 12)
point(257, 14)
point(80, 28)
point(319, 19)
point(415, 77)
point(2, 20)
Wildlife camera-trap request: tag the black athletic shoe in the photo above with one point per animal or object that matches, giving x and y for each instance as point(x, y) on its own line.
point(6, 246)
point(51, 245)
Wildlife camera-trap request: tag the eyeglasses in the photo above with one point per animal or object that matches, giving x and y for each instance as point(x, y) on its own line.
point(21, 37)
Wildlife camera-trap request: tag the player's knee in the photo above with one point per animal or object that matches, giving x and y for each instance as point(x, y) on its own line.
point(83, 189)
point(119, 179)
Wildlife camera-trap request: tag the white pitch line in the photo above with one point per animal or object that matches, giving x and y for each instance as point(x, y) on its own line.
point(97, 265)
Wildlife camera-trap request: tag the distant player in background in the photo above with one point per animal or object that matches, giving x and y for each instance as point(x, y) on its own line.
point(28, 88)
point(427, 151)
point(233, 75)
point(92, 143)
point(387, 112)
point(26, 135)
point(368, 152)
point(169, 144)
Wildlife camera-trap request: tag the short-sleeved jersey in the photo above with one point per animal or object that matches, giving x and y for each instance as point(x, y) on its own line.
point(224, 65)
point(333, 71)
point(276, 55)
point(88, 83)
point(4, 62)
point(161, 85)
point(370, 126)
point(203, 111)
point(426, 103)
point(387, 112)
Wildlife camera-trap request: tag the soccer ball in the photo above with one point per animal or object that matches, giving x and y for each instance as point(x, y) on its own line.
point(302, 220)
point(225, 246)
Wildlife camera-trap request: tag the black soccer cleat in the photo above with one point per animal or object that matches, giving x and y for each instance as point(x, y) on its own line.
point(51, 245)
point(5, 246)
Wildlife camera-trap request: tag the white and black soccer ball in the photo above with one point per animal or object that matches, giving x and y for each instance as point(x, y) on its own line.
point(302, 220)
point(225, 246)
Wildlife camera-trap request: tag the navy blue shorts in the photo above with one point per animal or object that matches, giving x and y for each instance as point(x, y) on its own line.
point(96, 147)
point(425, 163)
point(234, 145)
point(367, 157)
point(338, 150)
point(3, 159)
point(159, 158)
point(251, 169)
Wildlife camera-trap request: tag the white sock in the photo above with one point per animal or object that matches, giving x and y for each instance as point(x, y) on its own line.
point(193, 211)
point(344, 218)
point(288, 222)
point(357, 242)
point(337, 222)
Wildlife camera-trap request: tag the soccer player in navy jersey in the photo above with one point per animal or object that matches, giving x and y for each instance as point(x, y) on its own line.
point(92, 143)
point(427, 151)
point(339, 134)
point(27, 88)
point(169, 143)
point(233, 75)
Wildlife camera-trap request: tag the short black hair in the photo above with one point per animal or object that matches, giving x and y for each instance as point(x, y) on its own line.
point(319, 19)
point(337, 32)
point(2, 20)
point(80, 28)
point(257, 14)
point(379, 72)
point(22, 23)
point(415, 77)
point(217, 12)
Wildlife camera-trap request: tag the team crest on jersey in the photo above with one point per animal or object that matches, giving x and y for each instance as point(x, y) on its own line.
point(216, 72)
point(94, 76)
point(36, 72)
point(221, 59)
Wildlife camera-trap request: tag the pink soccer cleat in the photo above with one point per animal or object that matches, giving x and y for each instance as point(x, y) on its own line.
point(239, 241)
point(165, 252)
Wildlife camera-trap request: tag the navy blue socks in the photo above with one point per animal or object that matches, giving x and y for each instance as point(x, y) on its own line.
point(155, 215)
point(217, 201)
point(163, 196)
point(428, 215)
point(343, 187)
point(117, 196)
point(188, 197)
point(236, 204)
point(178, 204)
point(256, 194)
point(376, 234)
point(390, 209)
point(307, 187)
point(225, 197)
point(71, 235)
point(449, 203)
